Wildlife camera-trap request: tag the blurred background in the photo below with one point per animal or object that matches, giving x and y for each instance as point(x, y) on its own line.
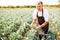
point(15, 13)
point(19, 3)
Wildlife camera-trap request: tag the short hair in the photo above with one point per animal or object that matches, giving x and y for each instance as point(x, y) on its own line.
point(39, 2)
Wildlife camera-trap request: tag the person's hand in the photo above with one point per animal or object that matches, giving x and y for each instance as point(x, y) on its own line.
point(30, 26)
point(38, 27)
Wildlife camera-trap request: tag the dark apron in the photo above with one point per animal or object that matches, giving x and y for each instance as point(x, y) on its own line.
point(41, 20)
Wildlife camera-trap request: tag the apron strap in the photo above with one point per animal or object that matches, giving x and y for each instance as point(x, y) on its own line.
point(42, 12)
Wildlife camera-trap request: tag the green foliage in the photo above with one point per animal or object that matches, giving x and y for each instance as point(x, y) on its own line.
point(12, 23)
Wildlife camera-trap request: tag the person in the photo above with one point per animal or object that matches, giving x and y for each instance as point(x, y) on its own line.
point(40, 18)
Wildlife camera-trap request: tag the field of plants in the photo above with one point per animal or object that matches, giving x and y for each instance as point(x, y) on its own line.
point(13, 27)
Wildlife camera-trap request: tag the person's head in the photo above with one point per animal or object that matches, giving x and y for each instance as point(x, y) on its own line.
point(39, 5)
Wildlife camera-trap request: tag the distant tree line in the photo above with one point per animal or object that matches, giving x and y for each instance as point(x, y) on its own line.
point(29, 6)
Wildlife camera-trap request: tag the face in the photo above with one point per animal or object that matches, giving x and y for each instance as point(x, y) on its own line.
point(39, 6)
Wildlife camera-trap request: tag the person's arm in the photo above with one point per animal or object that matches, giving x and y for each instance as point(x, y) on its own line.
point(34, 18)
point(33, 22)
point(40, 26)
point(44, 24)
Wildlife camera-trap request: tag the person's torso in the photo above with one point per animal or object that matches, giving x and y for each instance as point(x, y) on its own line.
point(40, 17)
